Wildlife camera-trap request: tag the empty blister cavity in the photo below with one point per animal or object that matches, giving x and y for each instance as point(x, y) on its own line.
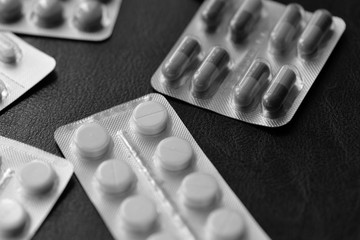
point(88, 16)
point(37, 177)
point(13, 218)
point(287, 27)
point(138, 214)
point(315, 31)
point(212, 14)
point(211, 68)
point(278, 92)
point(244, 19)
point(150, 118)
point(199, 190)
point(184, 54)
point(174, 154)
point(48, 13)
point(10, 10)
point(9, 52)
point(247, 92)
point(115, 176)
point(225, 224)
point(92, 140)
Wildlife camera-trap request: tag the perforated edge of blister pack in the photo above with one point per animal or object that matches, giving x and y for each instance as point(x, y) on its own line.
point(138, 151)
point(14, 155)
point(242, 55)
point(67, 29)
point(21, 67)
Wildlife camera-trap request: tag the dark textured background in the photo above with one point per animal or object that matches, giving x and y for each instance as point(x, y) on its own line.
point(300, 181)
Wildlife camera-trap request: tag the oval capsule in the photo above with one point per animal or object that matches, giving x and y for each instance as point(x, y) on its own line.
point(210, 68)
point(187, 50)
point(277, 93)
point(286, 29)
point(247, 91)
point(88, 16)
point(10, 10)
point(244, 19)
point(7, 50)
point(314, 32)
point(212, 13)
point(48, 13)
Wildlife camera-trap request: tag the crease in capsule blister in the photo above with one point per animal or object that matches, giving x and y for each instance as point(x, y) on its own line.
point(31, 181)
point(174, 179)
point(280, 35)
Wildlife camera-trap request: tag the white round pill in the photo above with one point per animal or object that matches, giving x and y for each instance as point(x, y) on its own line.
point(92, 140)
point(88, 16)
point(161, 236)
point(13, 218)
point(7, 50)
point(37, 177)
point(174, 154)
point(48, 13)
point(199, 190)
point(150, 118)
point(115, 176)
point(225, 224)
point(138, 213)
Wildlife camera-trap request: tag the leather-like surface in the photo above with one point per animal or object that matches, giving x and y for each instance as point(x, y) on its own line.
point(300, 181)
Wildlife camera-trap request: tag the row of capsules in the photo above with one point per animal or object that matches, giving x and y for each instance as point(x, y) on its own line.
point(149, 179)
point(266, 84)
point(31, 181)
point(85, 19)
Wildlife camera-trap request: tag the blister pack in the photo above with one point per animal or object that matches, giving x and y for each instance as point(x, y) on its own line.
point(88, 20)
point(21, 67)
point(149, 179)
point(252, 60)
point(31, 181)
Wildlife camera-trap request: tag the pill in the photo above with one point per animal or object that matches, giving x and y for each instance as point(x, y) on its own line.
point(48, 13)
point(115, 176)
point(161, 236)
point(174, 154)
point(211, 15)
point(199, 190)
point(247, 91)
point(92, 140)
point(278, 91)
point(13, 218)
point(10, 10)
point(314, 32)
point(225, 224)
point(88, 16)
point(138, 213)
point(3, 95)
point(244, 19)
point(7, 50)
point(37, 177)
point(210, 68)
point(286, 28)
point(150, 118)
point(184, 54)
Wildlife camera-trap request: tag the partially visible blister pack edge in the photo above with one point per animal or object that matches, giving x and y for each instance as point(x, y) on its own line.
point(137, 151)
point(30, 200)
point(85, 20)
point(202, 45)
point(22, 66)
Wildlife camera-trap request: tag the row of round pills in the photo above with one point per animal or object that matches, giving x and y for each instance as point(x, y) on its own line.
point(87, 15)
point(138, 213)
point(36, 178)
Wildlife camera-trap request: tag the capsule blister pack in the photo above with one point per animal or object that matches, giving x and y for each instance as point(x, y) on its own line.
point(252, 60)
point(149, 179)
point(88, 20)
point(21, 67)
point(31, 181)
